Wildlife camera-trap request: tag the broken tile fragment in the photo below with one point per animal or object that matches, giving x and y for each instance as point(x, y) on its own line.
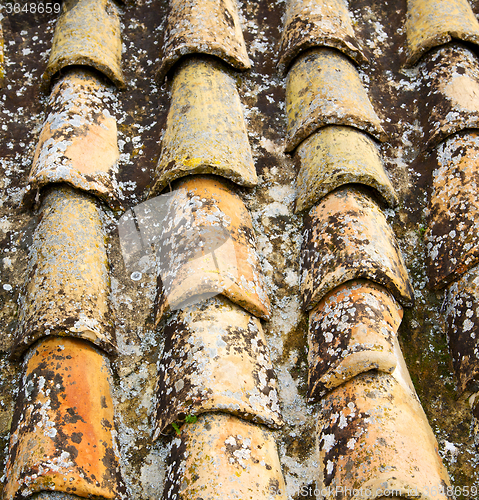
point(215, 359)
point(205, 27)
point(222, 456)
point(431, 23)
point(373, 436)
point(347, 237)
point(323, 88)
point(334, 156)
point(63, 435)
point(452, 239)
point(207, 248)
point(205, 131)
point(318, 23)
point(87, 33)
point(78, 143)
point(450, 93)
point(351, 331)
point(67, 281)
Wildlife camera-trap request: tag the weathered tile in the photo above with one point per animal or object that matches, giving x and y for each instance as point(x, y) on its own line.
point(474, 402)
point(334, 156)
point(53, 495)
point(67, 281)
point(323, 88)
point(351, 331)
point(63, 435)
point(207, 248)
point(215, 359)
point(221, 456)
point(373, 436)
point(87, 33)
point(452, 239)
point(205, 131)
point(450, 93)
point(318, 23)
point(203, 26)
point(431, 23)
point(462, 320)
point(78, 143)
point(347, 237)
point(2, 67)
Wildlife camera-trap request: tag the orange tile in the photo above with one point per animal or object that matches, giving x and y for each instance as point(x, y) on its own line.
point(67, 283)
point(2, 67)
point(63, 435)
point(203, 26)
point(347, 237)
point(207, 248)
point(221, 456)
point(318, 23)
point(351, 331)
point(216, 359)
point(78, 142)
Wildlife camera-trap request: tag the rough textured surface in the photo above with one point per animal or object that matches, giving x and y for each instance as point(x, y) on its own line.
point(335, 156)
point(324, 88)
point(221, 456)
point(204, 26)
point(431, 23)
point(205, 131)
point(2, 68)
point(78, 142)
point(63, 435)
point(347, 237)
point(318, 23)
point(351, 331)
point(207, 247)
point(88, 34)
point(67, 282)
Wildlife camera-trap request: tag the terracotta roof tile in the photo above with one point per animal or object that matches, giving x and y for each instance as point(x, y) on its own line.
point(323, 88)
point(203, 26)
point(87, 33)
point(2, 67)
point(205, 130)
point(335, 156)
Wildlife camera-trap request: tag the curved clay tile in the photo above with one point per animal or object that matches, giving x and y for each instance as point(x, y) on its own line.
point(215, 359)
point(207, 247)
point(318, 23)
point(351, 331)
point(206, 27)
point(431, 23)
point(462, 320)
point(78, 142)
point(324, 88)
point(63, 430)
point(221, 456)
point(205, 131)
point(67, 284)
point(373, 436)
point(450, 93)
point(347, 237)
point(334, 156)
point(453, 236)
point(87, 33)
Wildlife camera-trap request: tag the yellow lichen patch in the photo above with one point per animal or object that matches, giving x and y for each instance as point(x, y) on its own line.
point(347, 237)
point(207, 27)
point(334, 156)
point(323, 88)
point(67, 284)
point(221, 456)
point(352, 330)
point(318, 23)
point(207, 248)
point(431, 23)
point(63, 430)
point(216, 359)
point(78, 142)
point(205, 131)
point(87, 33)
